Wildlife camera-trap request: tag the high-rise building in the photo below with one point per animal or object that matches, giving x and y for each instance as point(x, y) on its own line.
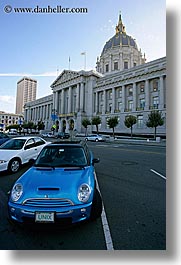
point(26, 92)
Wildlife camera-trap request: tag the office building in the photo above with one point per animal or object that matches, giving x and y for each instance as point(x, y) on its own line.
point(26, 92)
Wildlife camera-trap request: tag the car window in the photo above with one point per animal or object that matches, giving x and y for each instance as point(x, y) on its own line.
point(39, 141)
point(13, 144)
point(3, 136)
point(29, 144)
point(62, 156)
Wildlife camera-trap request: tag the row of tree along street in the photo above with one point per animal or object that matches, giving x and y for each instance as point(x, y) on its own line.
point(155, 119)
point(28, 127)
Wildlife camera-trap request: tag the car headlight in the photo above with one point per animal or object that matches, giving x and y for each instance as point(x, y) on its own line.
point(16, 192)
point(84, 192)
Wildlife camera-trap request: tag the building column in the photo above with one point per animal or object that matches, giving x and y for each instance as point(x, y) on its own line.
point(53, 99)
point(120, 67)
point(70, 100)
point(34, 114)
point(62, 101)
point(123, 99)
point(113, 100)
point(56, 101)
point(161, 103)
point(77, 98)
point(131, 60)
point(104, 103)
point(25, 115)
point(96, 103)
point(147, 95)
point(134, 97)
point(110, 63)
point(82, 96)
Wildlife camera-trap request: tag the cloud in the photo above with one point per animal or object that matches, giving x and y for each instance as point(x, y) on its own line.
point(54, 73)
point(7, 99)
point(7, 103)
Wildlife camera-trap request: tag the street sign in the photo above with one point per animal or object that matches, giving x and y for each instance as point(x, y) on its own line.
point(54, 117)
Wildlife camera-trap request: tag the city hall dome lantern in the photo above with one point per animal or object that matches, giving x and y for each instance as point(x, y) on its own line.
point(120, 52)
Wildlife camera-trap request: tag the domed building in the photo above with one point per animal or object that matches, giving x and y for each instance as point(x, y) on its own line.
point(123, 84)
point(120, 52)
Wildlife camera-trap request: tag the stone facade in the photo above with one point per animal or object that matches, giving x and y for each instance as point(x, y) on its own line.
point(119, 87)
point(7, 119)
point(120, 52)
point(40, 110)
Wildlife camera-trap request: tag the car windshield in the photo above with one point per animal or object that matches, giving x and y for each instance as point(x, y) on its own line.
point(61, 156)
point(13, 144)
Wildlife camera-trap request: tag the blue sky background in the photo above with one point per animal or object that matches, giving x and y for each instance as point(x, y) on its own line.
point(39, 44)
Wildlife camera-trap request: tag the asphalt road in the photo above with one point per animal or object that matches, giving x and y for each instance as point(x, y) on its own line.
point(132, 182)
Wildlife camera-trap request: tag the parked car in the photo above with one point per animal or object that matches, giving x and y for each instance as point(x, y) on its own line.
point(63, 135)
point(59, 188)
point(12, 132)
point(3, 137)
point(48, 135)
point(18, 151)
point(95, 137)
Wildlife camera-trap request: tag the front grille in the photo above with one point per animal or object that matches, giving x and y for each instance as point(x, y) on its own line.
point(48, 202)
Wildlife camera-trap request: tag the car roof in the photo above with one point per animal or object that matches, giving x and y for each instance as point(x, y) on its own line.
point(80, 143)
point(25, 137)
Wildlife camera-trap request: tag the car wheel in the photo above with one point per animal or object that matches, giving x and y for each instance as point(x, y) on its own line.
point(14, 165)
point(96, 206)
point(86, 139)
point(96, 140)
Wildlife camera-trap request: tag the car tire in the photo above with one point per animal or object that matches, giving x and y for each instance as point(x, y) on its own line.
point(86, 139)
point(96, 140)
point(96, 210)
point(14, 165)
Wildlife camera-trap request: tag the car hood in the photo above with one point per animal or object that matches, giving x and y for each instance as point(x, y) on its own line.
point(55, 183)
point(7, 154)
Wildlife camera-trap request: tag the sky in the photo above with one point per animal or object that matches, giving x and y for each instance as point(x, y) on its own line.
point(42, 45)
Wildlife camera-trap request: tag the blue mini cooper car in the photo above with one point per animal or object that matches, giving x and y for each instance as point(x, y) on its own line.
point(59, 188)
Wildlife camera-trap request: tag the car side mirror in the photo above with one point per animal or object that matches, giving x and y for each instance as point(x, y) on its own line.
point(95, 160)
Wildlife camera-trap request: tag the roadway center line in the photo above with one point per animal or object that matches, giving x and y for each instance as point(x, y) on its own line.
point(152, 170)
point(107, 234)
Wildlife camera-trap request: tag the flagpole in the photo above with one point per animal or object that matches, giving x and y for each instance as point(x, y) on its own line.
point(84, 53)
point(69, 62)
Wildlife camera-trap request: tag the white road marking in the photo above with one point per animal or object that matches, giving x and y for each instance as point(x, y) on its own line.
point(158, 173)
point(105, 225)
point(107, 234)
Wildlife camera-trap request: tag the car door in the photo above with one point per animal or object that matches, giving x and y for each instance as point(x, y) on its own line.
point(30, 151)
point(39, 143)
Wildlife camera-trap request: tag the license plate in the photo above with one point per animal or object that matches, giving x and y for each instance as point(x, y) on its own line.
point(44, 217)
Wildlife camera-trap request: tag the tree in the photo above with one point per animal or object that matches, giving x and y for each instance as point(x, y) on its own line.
point(30, 126)
point(85, 123)
point(40, 125)
point(96, 121)
point(155, 119)
point(112, 123)
point(130, 120)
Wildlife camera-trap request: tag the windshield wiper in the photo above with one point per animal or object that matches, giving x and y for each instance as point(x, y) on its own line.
point(73, 167)
point(44, 165)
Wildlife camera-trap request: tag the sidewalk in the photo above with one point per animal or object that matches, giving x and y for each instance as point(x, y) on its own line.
point(137, 141)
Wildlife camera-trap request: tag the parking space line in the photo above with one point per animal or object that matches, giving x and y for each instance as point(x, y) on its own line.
point(107, 234)
point(160, 175)
point(105, 225)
